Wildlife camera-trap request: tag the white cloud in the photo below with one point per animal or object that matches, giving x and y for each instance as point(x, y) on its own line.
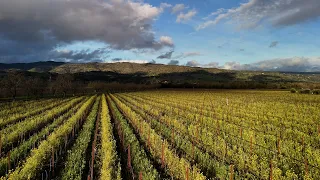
point(130, 61)
point(193, 63)
point(187, 54)
point(178, 8)
point(275, 12)
point(164, 6)
point(211, 65)
point(219, 11)
point(295, 64)
point(166, 40)
point(186, 17)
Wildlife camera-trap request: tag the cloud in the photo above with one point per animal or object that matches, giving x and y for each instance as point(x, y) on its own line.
point(219, 11)
point(120, 24)
point(167, 41)
point(241, 49)
point(178, 8)
point(212, 65)
point(153, 61)
point(173, 62)
point(193, 63)
point(187, 54)
point(232, 66)
point(186, 17)
point(167, 55)
point(164, 6)
point(79, 56)
point(275, 12)
point(295, 64)
point(116, 59)
point(273, 44)
point(131, 61)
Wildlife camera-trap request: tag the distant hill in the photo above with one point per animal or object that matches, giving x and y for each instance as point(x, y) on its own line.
point(159, 72)
point(33, 67)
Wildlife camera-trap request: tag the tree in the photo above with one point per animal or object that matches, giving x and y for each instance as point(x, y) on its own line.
point(34, 86)
point(63, 84)
point(12, 82)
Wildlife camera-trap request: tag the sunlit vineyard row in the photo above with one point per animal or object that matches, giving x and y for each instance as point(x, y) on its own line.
point(163, 134)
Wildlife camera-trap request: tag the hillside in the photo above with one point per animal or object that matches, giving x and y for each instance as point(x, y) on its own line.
point(141, 73)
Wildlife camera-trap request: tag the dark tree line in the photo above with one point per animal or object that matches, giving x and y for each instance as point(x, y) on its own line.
point(17, 84)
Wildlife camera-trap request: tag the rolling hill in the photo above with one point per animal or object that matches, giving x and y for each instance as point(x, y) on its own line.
point(158, 72)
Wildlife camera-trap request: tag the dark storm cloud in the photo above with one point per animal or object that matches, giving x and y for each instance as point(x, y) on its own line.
point(167, 55)
point(273, 44)
point(173, 62)
point(116, 59)
point(80, 56)
point(123, 25)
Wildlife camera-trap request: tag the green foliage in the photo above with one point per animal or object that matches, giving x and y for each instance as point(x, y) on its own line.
point(110, 167)
point(76, 159)
point(293, 90)
point(35, 162)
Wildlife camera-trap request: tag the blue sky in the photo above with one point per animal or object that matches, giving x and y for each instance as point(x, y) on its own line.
point(207, 33)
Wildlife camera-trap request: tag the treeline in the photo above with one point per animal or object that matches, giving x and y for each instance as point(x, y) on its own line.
point(17, 84)
point(243, 85)
point(23, 84)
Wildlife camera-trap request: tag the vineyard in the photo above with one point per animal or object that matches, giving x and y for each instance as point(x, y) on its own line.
point(164, 134)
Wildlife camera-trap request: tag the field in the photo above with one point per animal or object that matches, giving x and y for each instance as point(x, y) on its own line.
point(165, 134)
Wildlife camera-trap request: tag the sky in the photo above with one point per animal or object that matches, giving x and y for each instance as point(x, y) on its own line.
point(270, 35)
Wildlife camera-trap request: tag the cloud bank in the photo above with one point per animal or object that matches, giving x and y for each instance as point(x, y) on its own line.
point(183, 17)
point(295, 64)
point(178, 8)
point(36, 27)
point(187, 54)
point(275, 12)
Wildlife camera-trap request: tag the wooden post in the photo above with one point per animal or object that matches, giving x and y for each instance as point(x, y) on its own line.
point(187, 173)
point(197, 134)
point(9, 163)
point(52, 162)
point(129, 158)
point(172, 136)
point(231, 172)
point(162, 155)
point(306, 166)
point(271, 170)
point(192, 150)
point(148, 142)
point(279, 146)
